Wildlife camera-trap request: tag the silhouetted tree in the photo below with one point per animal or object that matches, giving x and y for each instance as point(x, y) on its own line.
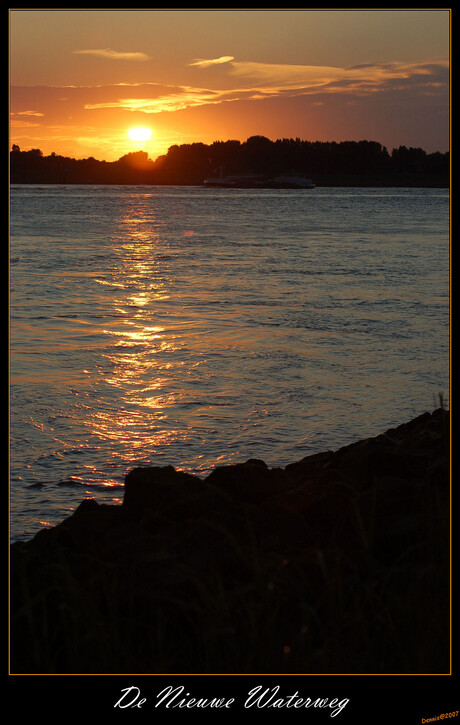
point(350, 162)
point(408, 159)
point(257, 153)
point(225, 156)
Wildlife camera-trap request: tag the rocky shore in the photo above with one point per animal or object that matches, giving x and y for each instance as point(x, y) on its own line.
point(338, 563)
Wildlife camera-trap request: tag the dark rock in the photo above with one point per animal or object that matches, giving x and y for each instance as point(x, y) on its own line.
point(155, 487)
point(250, 482)
point(188, 568)
point(256, 462)
point(159, 495)
point(309, 468)
point(363, 463)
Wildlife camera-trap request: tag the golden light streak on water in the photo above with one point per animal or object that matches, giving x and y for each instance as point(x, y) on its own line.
point(136, 367)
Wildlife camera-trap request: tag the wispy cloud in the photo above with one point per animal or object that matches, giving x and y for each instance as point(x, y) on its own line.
point(113, 54)
point(22, 124)
point(368, 77)
point(177, 100)
point(203, 63)
point(264, 80)
point(29, 113)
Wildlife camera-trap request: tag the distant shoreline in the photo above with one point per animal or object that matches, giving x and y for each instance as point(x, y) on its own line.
point(330, 185)
point(347, 163)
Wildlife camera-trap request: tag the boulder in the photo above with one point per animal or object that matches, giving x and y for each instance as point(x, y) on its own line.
point(221, 570)
point(250, 482)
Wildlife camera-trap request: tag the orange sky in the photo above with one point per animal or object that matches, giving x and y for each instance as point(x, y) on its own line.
point(80, 79)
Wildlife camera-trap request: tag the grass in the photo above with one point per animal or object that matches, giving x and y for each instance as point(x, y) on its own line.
point(203, 596)
point(308, 611)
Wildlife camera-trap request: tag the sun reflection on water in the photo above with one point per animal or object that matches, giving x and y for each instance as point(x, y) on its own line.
point(141, 361)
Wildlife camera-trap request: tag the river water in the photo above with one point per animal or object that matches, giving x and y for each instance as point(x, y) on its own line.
point(195, 327)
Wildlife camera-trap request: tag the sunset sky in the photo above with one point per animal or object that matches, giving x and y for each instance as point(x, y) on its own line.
point(80, 80)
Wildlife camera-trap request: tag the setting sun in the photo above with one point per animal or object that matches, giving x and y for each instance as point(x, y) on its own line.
point(139, 134)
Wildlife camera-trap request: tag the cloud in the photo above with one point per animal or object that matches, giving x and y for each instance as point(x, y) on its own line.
point(113, 54)
point(203, 63)
point(156, 98)
point(22, 124)
point(269, 80)
point(367, 77)
point(29, 113)
point(174, 101)
point(286, 75)
point(259, 81)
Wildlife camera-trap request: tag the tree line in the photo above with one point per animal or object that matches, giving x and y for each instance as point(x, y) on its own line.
point(345, 163)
